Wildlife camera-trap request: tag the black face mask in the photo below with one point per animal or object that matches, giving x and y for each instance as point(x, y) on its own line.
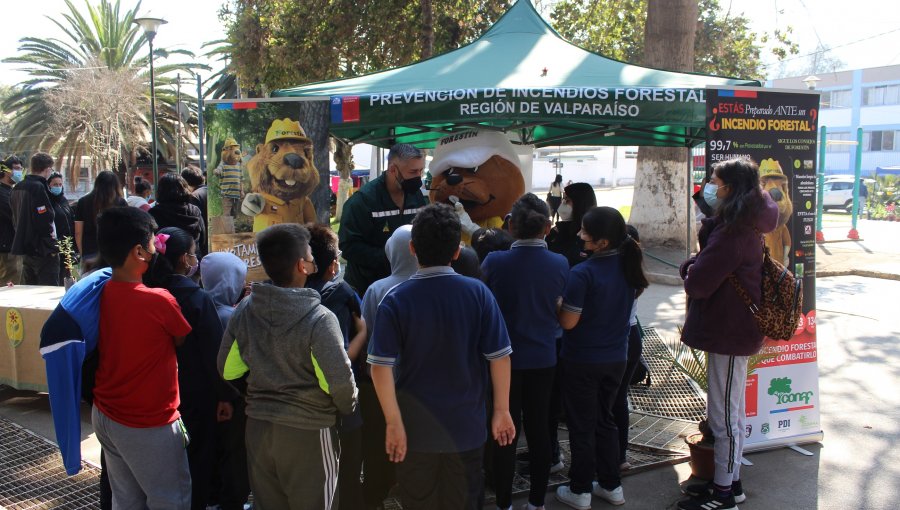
point(411, 185)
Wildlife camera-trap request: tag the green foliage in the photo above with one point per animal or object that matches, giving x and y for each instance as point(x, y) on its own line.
point(613, 28)
point(5, 119)
point(694, 363)
point(725, 44)
point(281, 43)
point(99, 34)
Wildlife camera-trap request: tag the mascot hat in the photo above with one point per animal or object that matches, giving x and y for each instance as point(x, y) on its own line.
point(230, 142)
point(771, 168)
point(471, 149)
point(286, 129)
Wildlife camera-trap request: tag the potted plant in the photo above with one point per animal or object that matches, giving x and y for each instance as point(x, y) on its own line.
point(70, 261)
point(693, 363)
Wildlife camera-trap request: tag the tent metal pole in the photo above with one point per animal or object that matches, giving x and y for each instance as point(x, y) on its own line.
point(690, 186)
point(552, 141)
point(687, 137)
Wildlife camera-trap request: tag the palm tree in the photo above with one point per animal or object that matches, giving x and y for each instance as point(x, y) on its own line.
point(224, 83)
point(56, 110)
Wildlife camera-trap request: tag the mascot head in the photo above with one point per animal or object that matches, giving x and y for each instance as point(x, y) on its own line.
point(481, 168)
point(283, 166)
point(773, 181)
point(231, 152)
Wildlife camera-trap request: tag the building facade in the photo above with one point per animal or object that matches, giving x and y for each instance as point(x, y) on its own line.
point(860, 98)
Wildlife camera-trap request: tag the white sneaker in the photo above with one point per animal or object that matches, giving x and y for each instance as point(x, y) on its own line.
point(578, 501)
point(613, 497)
point(556, 468)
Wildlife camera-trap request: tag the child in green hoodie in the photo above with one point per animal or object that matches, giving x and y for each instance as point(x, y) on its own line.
point(299, 381)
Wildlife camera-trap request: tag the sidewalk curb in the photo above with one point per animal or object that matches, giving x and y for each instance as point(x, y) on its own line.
point(858, 272)
point(664, 279)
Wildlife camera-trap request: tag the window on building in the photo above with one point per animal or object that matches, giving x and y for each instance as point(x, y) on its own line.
point(841, 186)
point(878, 141)
point(839, 147)
point(836, 99)
point(881, 95)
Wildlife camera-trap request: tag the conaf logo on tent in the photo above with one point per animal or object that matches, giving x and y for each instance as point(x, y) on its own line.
point(780, 388)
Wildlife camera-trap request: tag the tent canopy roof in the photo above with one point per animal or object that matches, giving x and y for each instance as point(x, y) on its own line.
point(524, 57)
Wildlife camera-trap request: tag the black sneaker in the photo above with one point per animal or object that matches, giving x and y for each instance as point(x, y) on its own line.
point(709, 501)
point(697, 489)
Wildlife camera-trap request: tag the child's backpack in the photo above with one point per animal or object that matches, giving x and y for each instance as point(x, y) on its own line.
point(781, 300)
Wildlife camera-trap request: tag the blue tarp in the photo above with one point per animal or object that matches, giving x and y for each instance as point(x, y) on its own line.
point(887, 170)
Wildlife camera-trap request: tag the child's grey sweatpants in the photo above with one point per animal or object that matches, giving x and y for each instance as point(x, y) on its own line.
point(148, 467)
point(725, 406)
point(291, 468)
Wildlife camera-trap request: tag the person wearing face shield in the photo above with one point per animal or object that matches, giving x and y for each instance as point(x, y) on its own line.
point(373, 213)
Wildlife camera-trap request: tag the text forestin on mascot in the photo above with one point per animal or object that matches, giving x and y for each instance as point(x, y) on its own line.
point(480, 169)
point(774, 182)
point(282, 176)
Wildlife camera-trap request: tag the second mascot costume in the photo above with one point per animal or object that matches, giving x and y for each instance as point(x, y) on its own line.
point(479, 173)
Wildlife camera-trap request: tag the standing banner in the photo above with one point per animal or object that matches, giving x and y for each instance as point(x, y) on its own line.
point(267, 163)
point(777, 129)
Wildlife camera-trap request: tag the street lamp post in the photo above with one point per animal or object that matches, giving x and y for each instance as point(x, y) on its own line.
point(150, 27)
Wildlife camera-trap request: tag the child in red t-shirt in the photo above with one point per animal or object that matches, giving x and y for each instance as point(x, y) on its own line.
point(135, 413)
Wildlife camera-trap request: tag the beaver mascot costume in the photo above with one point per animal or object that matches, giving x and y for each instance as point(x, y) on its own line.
point(478, 173)
point(775, 183)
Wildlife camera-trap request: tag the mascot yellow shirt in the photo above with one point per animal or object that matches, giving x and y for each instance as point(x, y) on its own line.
point(276, 210)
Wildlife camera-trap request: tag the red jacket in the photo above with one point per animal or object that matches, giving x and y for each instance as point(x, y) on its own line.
point(718, 320)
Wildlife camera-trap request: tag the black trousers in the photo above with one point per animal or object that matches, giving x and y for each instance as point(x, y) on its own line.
point(556, 408)
point(377, 468)
point(349, 489)
point(529, 401)
point(620, 406)
point(199, 416)
point(40, 270)
point(589, 390)
point(441, 481)
point(233, 479)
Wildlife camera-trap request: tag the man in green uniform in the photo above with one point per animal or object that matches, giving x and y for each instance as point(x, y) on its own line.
point(373, 213)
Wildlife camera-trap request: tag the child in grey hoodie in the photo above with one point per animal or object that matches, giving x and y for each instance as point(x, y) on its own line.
point(299, 381)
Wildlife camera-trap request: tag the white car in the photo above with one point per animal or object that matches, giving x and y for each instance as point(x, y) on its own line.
point(838, 193)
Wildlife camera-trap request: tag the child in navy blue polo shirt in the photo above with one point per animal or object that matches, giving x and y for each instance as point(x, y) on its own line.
point(595, 315)
point(530, 310)
point(436, 330)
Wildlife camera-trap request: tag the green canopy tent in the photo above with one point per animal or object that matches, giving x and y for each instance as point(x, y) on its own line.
point(520, 77)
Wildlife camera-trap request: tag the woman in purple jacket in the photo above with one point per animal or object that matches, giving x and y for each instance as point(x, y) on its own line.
point(719, 322)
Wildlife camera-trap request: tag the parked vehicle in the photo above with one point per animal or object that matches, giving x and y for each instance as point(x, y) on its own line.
point(838, 193)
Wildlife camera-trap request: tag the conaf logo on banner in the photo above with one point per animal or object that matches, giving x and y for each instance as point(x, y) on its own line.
point(780, 388)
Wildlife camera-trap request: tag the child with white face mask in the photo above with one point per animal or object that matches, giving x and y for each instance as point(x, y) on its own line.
point(563, 237)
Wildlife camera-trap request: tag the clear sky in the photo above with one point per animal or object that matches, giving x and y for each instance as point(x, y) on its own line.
point(836, 23)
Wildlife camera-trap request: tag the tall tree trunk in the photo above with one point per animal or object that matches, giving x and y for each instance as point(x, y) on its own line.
point(427, 35)
point(315, 123)
point(659, 209)
point(343, 159)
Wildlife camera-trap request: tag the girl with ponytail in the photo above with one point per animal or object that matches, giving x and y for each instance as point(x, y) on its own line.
point(205, 398)
point(595, 314)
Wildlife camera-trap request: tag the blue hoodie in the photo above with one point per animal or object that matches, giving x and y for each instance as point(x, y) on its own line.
point(69, 335)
